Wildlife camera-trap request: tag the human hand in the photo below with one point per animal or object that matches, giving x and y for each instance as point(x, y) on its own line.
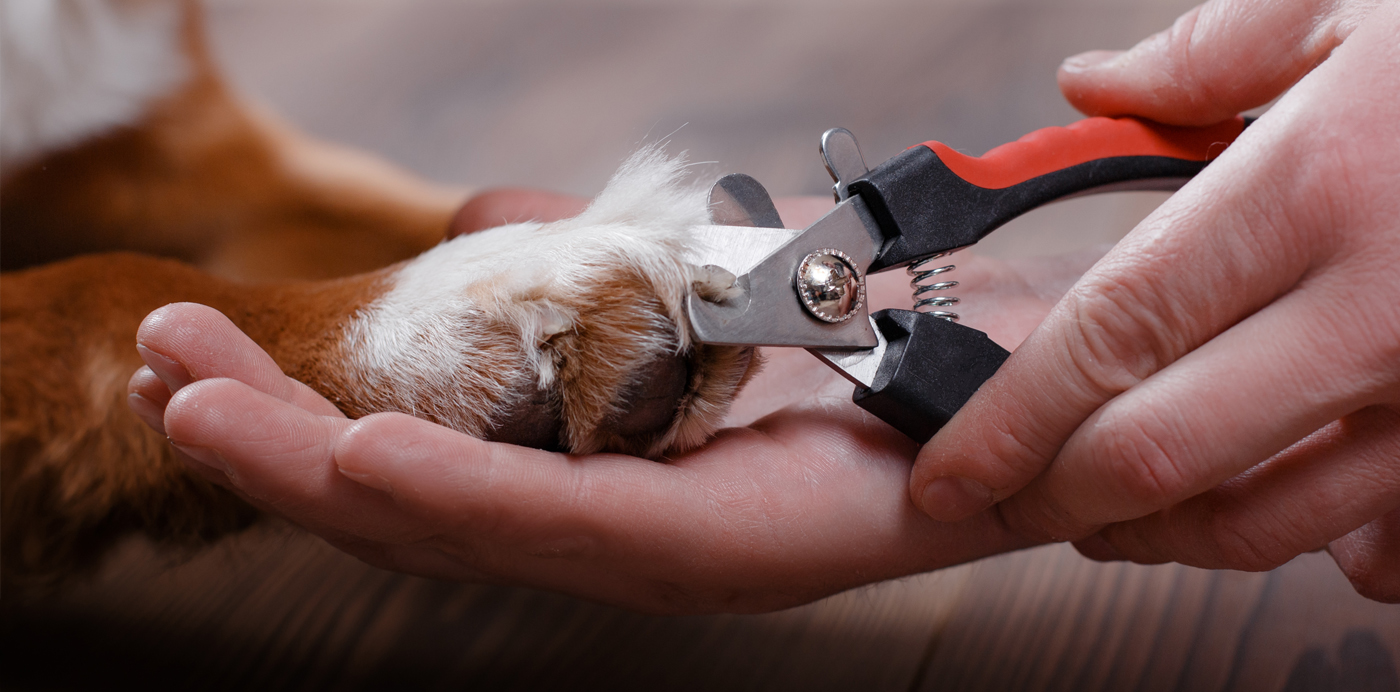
point(503, 205)
point(802, 502)
point(1223, 389)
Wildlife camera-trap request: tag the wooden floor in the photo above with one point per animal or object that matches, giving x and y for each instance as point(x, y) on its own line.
point(555, 94)
point(282, 611)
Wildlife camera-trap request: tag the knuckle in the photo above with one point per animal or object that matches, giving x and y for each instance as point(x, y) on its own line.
point(1194, 77)
point(1368, 350)
point(1141, 458)
point(1041, 518)
point(1188, 30)
point(1120, 333)
point(1213, 535)
point(1022, 450)
point(1177, 76)
point(1001, 451)
point(1249, 546)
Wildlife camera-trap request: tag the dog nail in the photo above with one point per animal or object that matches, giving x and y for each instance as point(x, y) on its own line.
point(170, 371)
point(368, 479)
point(148, 411)
point(206, 456)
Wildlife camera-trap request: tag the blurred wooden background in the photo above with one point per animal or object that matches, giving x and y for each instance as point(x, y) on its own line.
point(555, 94)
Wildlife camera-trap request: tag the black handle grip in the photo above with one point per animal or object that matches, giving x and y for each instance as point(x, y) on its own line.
point(931, 199)
point(930, 369)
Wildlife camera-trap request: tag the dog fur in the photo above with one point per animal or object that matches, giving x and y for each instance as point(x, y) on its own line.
point(567, 335)
point(176, 164)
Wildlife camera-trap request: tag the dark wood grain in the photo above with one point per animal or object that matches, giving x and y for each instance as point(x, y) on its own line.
point(282, 611)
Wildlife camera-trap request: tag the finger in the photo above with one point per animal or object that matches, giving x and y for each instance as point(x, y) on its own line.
point(1370, 557)
point(279, 456)
point(776, 517)
point(617, 529)
point(456, 481)
point(1315, 492)
point(147, 396)
point(508, 205)
point(1229, 405)
point(185, 342)
point(1240, 235)
point(1217, 60)
point(147, 385)
point(582, 507)
point(1153, 298)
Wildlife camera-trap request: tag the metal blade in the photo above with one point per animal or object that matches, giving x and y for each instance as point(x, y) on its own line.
point(746, 227)
point(857, 366)
point(737, 249)
point(768, 311)
point(739, 200)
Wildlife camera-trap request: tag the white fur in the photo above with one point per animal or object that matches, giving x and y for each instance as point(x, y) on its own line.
point(72, 69)
point(427, 329)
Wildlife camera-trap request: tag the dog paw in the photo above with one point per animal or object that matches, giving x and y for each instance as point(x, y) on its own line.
point(568, 335)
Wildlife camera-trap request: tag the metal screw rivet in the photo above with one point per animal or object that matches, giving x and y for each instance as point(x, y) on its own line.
point(830, 285)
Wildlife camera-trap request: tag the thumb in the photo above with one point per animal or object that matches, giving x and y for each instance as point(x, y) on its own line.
point(1217, 60)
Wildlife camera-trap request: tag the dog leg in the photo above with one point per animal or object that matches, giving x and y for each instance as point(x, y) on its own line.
point(567, 335)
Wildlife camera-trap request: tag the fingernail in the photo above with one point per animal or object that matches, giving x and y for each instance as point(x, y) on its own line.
point(148, 411)
point(206, 456)
point(953, 498)
point(1096, 547)
point(368, 479)
point(1091, 60)
point(170, 371)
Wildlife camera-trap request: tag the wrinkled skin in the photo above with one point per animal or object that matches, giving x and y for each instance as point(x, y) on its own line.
point(1223, 389)
point(808, 498)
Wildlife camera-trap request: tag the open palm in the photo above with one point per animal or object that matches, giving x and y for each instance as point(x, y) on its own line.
point(805, 496)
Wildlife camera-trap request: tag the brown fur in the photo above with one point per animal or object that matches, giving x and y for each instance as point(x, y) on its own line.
point(78, 468)
point(207, 180)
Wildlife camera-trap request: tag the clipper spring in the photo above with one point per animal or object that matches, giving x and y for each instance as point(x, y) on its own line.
point(926, 281)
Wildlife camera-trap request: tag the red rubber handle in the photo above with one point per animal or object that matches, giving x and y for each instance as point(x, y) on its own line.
point(1056, 148)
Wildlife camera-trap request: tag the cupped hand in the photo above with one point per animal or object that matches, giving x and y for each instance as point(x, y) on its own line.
point(807, 499)
point(1223, 389)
